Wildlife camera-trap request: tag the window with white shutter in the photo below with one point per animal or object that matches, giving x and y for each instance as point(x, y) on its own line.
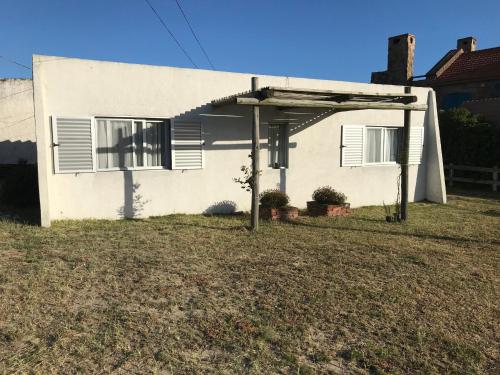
point(187, 144)
point(352, 145)
point(416, 144)
point(73, 145)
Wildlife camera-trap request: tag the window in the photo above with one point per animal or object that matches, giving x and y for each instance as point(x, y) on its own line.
point(370, 145)
point(130, 143)
point(382, 145)
point(278, 146)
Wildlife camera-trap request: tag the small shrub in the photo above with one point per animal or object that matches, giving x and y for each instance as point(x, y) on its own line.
point(328, 195)
point(273, 199)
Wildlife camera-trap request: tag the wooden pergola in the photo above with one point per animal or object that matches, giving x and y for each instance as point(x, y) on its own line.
point(286, 97)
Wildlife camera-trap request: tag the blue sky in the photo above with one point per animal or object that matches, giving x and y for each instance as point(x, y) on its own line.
point(342, 40)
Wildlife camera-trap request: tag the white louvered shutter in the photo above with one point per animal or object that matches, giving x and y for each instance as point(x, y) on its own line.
point(352, 145)
point(73, 144)
point(416, 145)
point(187, 144)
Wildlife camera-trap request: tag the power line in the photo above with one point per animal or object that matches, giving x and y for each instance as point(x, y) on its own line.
point(16, 93)
point(171, 34)
point(15, 62)
point(11, 124)
point(194, 34)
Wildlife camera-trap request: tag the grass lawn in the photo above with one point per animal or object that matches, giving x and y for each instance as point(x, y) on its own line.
point(194, 294)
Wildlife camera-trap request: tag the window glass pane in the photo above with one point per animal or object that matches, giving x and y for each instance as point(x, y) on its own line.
point(102, 144)
point(391, 144)
point(273, 146)
point(283, 146)
point(120, 143)
point(373, 145)
point(119, 140)
point(278, 145)
point(154, 143)
point(139, 144)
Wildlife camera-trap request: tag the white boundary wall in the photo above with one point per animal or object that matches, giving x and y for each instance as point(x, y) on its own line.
point(17, 121)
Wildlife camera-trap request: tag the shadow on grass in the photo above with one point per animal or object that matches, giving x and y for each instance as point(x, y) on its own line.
point(238, 228)
point(494, 213)
point(474, 193)
point(20, 215)
point(302, 223)
point(389, 232)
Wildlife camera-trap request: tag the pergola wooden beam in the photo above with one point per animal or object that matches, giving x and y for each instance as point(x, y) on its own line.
point(348, 105)
point(323, 91)
point(336, 96)
point(320, 98)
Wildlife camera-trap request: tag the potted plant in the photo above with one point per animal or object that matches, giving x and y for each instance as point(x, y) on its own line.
point(274, 206)
point(328, 202)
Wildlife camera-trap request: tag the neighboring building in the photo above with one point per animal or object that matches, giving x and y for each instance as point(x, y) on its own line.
point(17, 122)
point(464, 76)
point(124, 140)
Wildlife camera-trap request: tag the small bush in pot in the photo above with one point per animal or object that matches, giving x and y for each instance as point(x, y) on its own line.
point(273, 199)
point(328, 202)
point(274, 205)
point(328, 195)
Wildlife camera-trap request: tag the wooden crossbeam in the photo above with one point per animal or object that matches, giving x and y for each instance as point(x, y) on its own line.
point(305, 103)
point(331, 97)
point(333, 92)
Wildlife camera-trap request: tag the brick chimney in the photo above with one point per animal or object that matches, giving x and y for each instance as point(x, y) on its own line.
point(400, 57)
point(468, 44)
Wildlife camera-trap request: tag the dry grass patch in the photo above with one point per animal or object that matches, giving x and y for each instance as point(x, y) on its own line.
point(194, 294)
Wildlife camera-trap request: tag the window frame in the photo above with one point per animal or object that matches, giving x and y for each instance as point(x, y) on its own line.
point(382, 145)
point(134, 156)
point(283, 135)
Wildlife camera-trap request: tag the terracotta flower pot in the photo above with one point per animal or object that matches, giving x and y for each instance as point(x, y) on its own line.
point(283, 213)
point(318, 209)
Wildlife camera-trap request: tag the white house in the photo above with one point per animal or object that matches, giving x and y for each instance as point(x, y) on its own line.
point(124, 140)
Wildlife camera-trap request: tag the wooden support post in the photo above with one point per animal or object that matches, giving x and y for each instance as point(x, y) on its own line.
point(404, 161)
point(495, 178)
point(255, 159)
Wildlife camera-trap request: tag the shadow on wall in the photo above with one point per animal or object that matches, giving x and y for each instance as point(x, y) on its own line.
point(17, 152)
point(221, 208)
point(133, 202)
point(234, 116)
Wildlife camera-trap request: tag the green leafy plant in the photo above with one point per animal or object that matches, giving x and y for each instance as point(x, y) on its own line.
point(328, 195)
point(273, 199)
point(248, 180)
point(468, 139)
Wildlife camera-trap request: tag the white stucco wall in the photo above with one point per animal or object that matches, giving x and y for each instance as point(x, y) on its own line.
point(17, 121)
point(74, 87)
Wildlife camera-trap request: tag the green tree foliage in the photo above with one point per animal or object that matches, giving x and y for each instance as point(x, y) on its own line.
point(467, 139)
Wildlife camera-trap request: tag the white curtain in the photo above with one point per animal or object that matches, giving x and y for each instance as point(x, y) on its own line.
point(115, 143)
point(121, 144)
point(273, 145)
point(154, 143)
point(102, 144)
point(373, 145)
point(139, 144)
point(391, 144)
